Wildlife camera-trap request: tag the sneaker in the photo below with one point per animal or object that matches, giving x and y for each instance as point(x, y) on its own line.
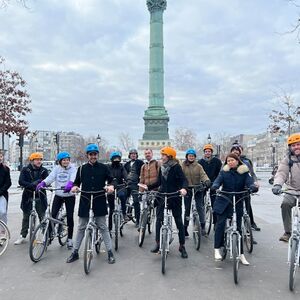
point(20, 240)
point(111, 258)
point(155, 249)
point(74, 256)
point(285, 237)
point(218, 256)
point(186, 233)
point(244, 260)
point(69, 244)
point(254, 227)
point(183, 252)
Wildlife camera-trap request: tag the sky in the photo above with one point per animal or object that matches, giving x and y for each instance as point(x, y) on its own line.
point(86, 63)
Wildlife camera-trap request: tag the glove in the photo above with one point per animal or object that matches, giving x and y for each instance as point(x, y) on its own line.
point(68, 187)
point(207, 183)
point(276, 189)
point(41, 185)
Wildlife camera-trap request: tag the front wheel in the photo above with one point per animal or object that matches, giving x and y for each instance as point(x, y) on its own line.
point(208, 219)
point(62, 231)
point(247, 234)
point(151, 219)
point(116, 225)
point(88, 251)
point(32, 225)
point(142, 230)
point(164, 251)
point(235, 257)
point(294, 262)
point(196, 232)
point(4, 237)
point(38, 243)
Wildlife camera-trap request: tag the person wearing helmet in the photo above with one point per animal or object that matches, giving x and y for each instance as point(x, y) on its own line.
point(29, 178)
point(195, 175)
point(133, 169)
point(63, 175)
point(288, 173)
point(5, 183)
point(92, 176)
point(170, 179)
point(119, 173)
point(212, 166)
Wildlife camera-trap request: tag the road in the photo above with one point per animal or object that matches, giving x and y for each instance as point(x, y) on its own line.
point(136, 273)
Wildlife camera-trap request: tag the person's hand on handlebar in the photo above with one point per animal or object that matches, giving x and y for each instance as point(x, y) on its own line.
point(109, 189)
point(143, 186)
point(276, 189)
point(183, 192)
point(75, 189)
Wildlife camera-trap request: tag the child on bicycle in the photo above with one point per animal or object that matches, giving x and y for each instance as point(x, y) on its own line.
point(234, 177)
point(30, 177)
point(63, 175)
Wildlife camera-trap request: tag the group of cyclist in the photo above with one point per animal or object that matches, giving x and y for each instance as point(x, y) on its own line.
point(165, 176)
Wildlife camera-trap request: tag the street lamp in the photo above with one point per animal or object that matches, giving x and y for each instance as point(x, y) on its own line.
point(209, 138)
point(98, 140)
point(36, 144)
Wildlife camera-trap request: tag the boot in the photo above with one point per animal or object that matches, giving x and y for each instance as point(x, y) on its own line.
point(111, 258)
point(74, 256)
point(244, 260)
point(218, 256)
point(155, 249)
point(186, 233)
point(285, 237)
point(183, 251)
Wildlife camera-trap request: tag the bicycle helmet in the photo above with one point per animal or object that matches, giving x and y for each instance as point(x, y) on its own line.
point(62, 155)
point(35, 155)
point(92, 148)
point(131, 151)
point(208, 147)
point(169, 151)
point(294, 138)
point(190, 151)
point(115, 154)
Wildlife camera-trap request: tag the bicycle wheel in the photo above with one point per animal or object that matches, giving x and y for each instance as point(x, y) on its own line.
point(294, 261)
point(196, 232)
point(164, 252)
point(247, 234)
point(116, 225)
point(151, 220)
point(208, 219)
point(38, 243)
point(62, 231)
point(32, 225)
point(235, 257)
point(4, 237)
point(98, 243)
point(88, 251)
point(143, 224)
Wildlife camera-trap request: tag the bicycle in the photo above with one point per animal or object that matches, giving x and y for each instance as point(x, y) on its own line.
point(166, 230)
point(294, 241)
point(4, 237)
point(33, 216)
point(47, 230)
point(208, 212)
point(147, 218)
point(247, 230)
point(232, 237)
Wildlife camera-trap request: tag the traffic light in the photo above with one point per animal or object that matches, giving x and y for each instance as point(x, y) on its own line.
point(56, 138)
point(20, 140)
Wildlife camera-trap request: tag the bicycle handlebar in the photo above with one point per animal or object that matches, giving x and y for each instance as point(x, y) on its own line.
point(292, 194)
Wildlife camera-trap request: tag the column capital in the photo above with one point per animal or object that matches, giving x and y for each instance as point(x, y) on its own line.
point(156, 5)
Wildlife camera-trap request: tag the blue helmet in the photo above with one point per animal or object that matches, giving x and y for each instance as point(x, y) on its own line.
point(115, 154)
point(62, 155)
point(190, 151)
point(92, 148)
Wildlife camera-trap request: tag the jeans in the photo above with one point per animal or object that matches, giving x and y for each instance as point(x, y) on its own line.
point(199, 200)
point(3, 209)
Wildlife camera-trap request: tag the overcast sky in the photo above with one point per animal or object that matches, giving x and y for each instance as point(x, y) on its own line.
point(86, 63)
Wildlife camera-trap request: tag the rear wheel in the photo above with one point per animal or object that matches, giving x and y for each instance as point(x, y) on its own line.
point(98, 238)
point(143, 224)
point(208, 219)
point(62, 231)
point(235, 257)
point(247, 234)
point(32, 225)
point(151, 219)
point(4, 237)
point(88, 251)
point(196, 232)
point(38, 243)
point(294, 261)
point(116, 225)
point(164, 252)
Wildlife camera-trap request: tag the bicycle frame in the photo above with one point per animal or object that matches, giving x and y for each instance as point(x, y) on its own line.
point(295, 229)
point(167, 224)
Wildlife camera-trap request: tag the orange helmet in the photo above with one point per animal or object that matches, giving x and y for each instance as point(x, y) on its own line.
point(168, 151)
point(294, 138)
point(35, 155)
point(208, 146)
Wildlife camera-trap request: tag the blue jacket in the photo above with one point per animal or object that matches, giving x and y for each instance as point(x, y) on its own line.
point(232, 180)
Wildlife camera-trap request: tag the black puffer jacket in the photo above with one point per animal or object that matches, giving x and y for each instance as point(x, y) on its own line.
point(5, 181)
point(133, 171)
point(118, 172)
point(211, 167)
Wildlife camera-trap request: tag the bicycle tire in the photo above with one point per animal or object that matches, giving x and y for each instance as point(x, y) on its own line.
point(164, 250)
point(151, 220)
point(39, 241)
point(116, 225)
point(32, 225)
point(248, 234)
point(98, 241)
point(208, 219)
point(293, 263)
point(196, 232)
point(4, 237)
point(88, 251)
point(62, 231)
point(142, 231)
point(224, 248)
point(235, 258)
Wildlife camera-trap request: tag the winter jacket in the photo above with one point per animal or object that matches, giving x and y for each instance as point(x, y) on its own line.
point(5, 181)
point(149, 172)
point(212, 167)
point(133, 171)
point(29, 178)
point(92, 177)
point(118, 172)
point(194, 173)
point(247, 161)
point(289, 175)
point(232, 180)
point(61, 176)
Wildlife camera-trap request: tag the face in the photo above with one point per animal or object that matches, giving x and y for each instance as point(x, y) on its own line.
point(232, 163)
point(164, 158)
point(92, 157)
point(207, 153)
point(236, 152)
point(148, 155)
point(65, 162)
point(37, 162)
point(296, 148)
point(191, 157)
point(133, 156)
point(1, 157)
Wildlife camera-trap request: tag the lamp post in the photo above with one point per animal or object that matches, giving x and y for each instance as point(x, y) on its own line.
point(209, 138)
point(98, 142)
point(276, 141)
point(36, 144)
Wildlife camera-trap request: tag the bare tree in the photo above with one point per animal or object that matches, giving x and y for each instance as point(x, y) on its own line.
point(283, 121)
point(125, 141)
point(14, 103)
point(295, 28)
point(185, 138)
point(6, 3)
point(222, 143)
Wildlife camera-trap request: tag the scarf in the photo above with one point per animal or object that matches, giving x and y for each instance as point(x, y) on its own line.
point(165, 167)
